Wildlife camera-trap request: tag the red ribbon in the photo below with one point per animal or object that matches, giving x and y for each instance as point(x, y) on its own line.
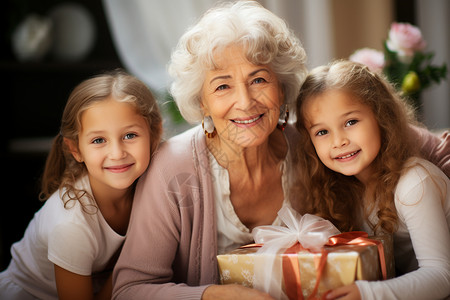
point(360, 238)
point(251, 246)
point(291, 272)
point(291, 268)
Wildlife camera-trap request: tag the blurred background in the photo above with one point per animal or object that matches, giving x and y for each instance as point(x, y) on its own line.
point(49, 46)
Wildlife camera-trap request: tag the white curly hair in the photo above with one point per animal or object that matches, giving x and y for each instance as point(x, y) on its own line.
point(264, 36)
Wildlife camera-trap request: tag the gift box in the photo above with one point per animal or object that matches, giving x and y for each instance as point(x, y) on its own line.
point(297, 272)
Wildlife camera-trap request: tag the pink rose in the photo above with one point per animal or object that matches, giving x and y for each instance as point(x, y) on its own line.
point(405, 39)
point(372, 58)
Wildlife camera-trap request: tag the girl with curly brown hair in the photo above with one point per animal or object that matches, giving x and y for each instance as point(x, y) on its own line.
point(361, 170)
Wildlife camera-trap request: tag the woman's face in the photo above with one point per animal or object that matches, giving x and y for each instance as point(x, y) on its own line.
point(242, 99)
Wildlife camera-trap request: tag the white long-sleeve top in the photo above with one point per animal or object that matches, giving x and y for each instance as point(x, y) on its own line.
point(422, 241)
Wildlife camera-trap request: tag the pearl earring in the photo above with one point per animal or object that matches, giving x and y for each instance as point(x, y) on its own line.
point(208, 127)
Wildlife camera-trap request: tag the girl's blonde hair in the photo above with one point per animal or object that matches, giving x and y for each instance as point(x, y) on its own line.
point(61, 169)
point(340, 198)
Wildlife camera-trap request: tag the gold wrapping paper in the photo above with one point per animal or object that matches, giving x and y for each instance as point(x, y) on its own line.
point(344, 265)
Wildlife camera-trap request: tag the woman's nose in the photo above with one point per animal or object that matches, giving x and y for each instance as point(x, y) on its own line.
point(243, 97)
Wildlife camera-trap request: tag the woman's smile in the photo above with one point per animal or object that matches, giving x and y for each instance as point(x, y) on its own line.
point(247, 122)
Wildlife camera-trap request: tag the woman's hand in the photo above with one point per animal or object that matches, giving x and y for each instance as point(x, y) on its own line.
point(348, 292)
point(233, 291)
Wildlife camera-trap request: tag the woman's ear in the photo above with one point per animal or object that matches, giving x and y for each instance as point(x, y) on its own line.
point(73, 149)
point(282, 95)
point(203, 108)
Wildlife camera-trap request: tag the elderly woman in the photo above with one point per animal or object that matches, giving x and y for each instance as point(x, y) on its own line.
point(237, 71)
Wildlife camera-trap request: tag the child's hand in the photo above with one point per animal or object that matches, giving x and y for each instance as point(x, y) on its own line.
point(348, 292)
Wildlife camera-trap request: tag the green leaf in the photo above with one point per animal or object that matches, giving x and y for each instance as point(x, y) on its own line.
point(172, 109)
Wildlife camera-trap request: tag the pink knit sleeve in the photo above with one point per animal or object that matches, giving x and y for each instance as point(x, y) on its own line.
point(145, 268)
point(435, 148)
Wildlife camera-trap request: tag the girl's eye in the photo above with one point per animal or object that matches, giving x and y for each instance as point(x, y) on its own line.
point(222, 87)
point(259, 80)
point(98, 141)
point(129, 136)
point(351, 122)
point(321, 132)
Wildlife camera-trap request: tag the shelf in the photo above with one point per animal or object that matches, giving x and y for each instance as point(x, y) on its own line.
point(58, 67)
point(35, 145)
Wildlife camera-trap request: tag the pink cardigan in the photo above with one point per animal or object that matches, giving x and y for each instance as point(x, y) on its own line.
point(436, 150)
point(170, 249)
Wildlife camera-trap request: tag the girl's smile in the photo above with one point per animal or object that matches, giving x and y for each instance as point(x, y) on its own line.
point(120, 168)
point(348, 156)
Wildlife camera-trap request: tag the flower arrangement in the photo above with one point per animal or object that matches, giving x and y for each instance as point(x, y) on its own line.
point(404, 61)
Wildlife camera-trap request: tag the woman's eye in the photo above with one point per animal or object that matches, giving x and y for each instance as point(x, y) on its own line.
point(259, 80)
point(222, 87)
point(351, 122)
point(321, 132)
point(98, 141)
point(130, 136)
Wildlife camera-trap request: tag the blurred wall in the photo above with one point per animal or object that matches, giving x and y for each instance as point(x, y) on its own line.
point(332, 29)
point(433, 17)
point(360, 23)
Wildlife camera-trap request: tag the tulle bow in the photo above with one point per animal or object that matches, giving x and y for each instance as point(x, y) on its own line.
point(311, 232)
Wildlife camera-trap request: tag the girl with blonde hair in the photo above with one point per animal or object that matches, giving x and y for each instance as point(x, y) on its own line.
point(110, 127)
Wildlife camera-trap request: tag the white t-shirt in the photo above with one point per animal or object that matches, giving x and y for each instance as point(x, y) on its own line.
point(422, 241)
point(231, 232)
point(80, 242)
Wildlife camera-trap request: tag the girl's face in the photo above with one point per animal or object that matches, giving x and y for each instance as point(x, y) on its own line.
point(114, 144)
point(242, 99)
point(344, 132)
